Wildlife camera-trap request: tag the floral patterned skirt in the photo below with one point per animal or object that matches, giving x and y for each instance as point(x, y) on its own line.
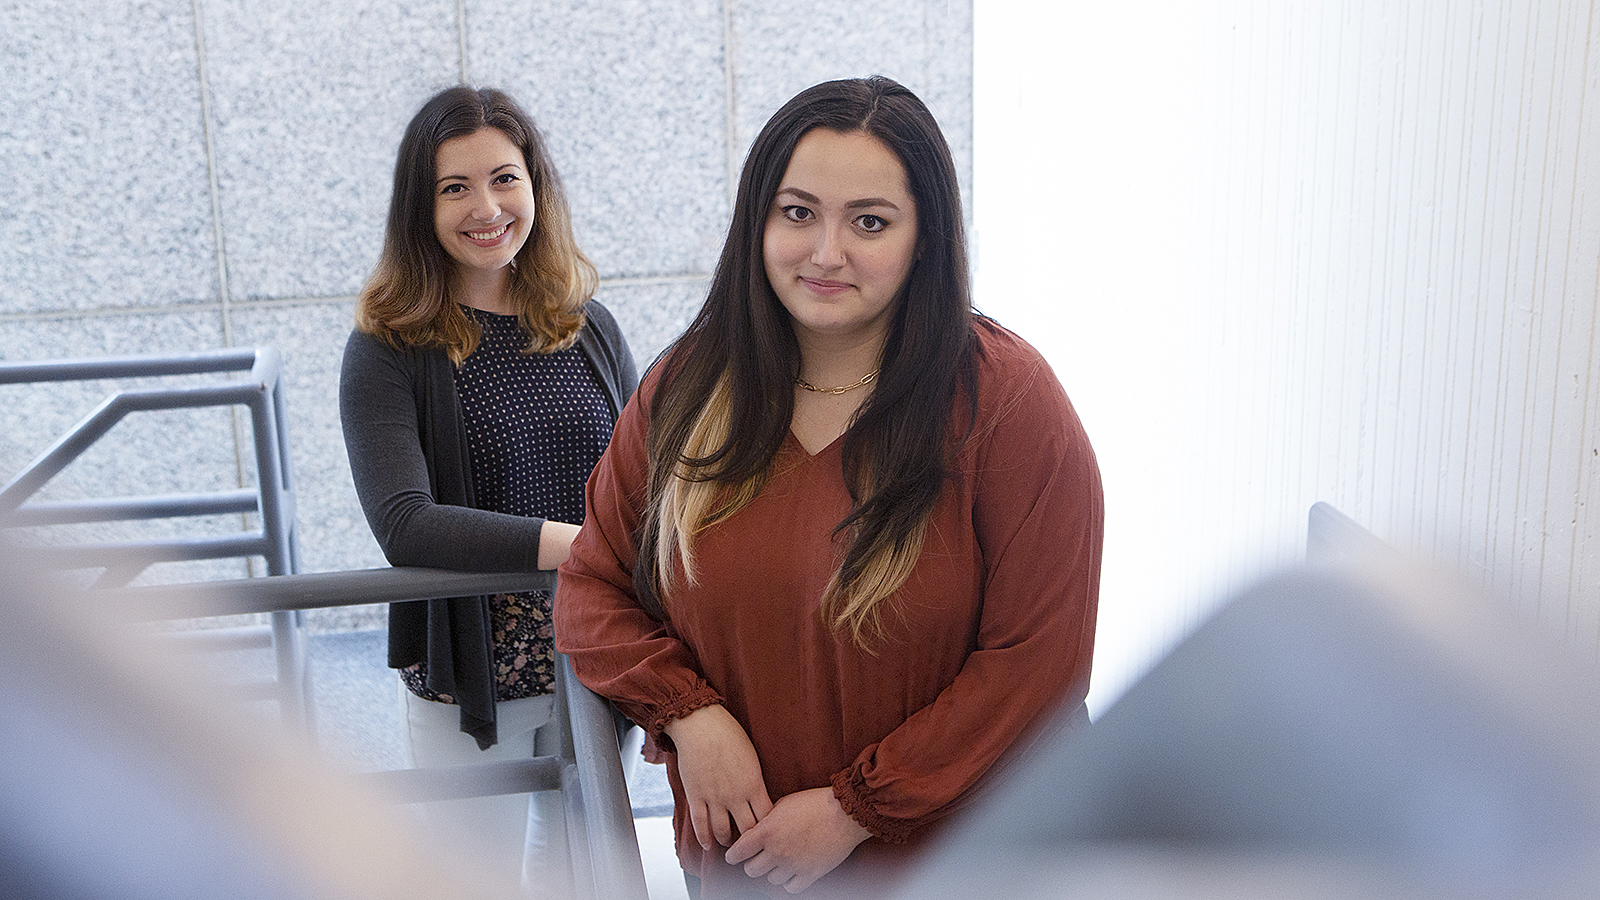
point(524, 650)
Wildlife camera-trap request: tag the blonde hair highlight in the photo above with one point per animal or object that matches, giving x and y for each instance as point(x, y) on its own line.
point(687, 503)
point(857, 609)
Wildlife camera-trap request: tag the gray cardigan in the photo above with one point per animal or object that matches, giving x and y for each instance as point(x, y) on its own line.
point(408, 456)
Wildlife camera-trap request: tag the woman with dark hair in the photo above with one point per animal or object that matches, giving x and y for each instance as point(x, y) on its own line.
point(843, 551)
point(479, 388)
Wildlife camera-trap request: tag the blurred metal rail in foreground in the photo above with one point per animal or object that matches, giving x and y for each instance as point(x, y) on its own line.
point(587, 772)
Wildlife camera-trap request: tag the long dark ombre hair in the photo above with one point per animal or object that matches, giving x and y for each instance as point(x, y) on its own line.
point(726, 396)
point(406, 301)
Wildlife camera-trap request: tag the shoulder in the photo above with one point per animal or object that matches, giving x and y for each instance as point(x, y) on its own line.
point(1003, 361)
point(603, 341)
point(363, 350)
point(600, 321)
point(369, 356)
point(598, 315)
point(602, 338)
point(1019, 399)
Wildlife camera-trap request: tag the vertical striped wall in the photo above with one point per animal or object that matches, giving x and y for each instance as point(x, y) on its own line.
point(1343, 251)
point(1407, 281)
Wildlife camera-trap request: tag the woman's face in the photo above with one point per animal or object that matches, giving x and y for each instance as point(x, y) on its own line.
point(482, 200)
point(841, 236)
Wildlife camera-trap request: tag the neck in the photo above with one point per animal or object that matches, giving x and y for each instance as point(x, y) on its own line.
point(834, 366)
point(483, 290)
point(824, 412)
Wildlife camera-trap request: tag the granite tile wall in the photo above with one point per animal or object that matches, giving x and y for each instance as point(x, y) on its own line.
point(195, 174)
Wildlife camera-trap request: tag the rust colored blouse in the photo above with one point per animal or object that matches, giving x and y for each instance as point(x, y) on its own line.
point(993, 632)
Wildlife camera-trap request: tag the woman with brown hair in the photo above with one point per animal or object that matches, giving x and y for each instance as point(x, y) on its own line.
point(843, 552)
point(479, 388)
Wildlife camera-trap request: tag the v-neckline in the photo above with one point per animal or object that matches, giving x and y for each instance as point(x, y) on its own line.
point(820, 450)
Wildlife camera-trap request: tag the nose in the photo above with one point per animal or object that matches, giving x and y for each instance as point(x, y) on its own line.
point(828, 251)
point(484, 206)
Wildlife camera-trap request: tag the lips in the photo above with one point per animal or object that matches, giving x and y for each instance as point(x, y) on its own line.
point(487, 237)
point(824, 286)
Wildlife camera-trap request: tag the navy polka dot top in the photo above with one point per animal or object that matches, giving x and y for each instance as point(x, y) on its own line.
point(536, 424)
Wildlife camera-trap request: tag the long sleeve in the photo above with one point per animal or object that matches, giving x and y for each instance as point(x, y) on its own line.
point(991, 633)
point(417, 502)
point(1038, 519)
point(616, 648)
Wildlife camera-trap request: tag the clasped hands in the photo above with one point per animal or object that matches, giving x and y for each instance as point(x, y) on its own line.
point(791, 843)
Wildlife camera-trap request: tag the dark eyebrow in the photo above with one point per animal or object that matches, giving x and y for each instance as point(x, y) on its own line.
point(853, 204)
point(495, 171)
point(799, 194)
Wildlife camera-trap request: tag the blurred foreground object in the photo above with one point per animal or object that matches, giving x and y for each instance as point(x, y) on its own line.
point(121, 780)
point(92, 524)
point(1366, 730)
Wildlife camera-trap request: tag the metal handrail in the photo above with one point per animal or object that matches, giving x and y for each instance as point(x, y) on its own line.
point(261, 392)
point(1332, 536)
point(589, 772)
point(206, 362)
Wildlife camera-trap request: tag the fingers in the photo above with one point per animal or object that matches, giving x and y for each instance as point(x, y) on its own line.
point(762, 864)
point(759, 861)
point(761, 804)
point(713, 824)
point(780, 872)
point(710, 825)
point(721, 775)
point(746, 847)
point(720, 828)
point(745, 817)
point(700, 818)
point(805, 836)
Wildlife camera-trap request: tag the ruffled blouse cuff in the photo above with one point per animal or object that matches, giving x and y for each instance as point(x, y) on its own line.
point(851, 791)
point(677, 708)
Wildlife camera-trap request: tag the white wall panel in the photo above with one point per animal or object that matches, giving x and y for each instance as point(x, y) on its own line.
point(1392, 230)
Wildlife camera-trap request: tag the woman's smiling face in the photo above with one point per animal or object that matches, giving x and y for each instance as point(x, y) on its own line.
point(841, 235)
point(482, 200)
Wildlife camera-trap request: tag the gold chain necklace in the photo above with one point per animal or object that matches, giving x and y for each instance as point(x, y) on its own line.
point(865, 380)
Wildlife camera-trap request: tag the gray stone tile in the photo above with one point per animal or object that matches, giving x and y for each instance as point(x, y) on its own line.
point(308, 102)
point(333, 533)
point(109, 203)
point(653, 313)
point(167, 331)
point(781, 49)
point(310, 99)
point(147, 452)
point(632, 99)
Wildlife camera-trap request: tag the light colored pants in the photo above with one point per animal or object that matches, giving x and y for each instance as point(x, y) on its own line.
point(525, 832)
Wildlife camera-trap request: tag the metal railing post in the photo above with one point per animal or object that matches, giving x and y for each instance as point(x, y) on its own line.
point(261, 392)
point(588, 770)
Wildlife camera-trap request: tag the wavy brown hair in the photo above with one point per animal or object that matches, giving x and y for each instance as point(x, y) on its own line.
point(726, 395)
point(407, 299)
